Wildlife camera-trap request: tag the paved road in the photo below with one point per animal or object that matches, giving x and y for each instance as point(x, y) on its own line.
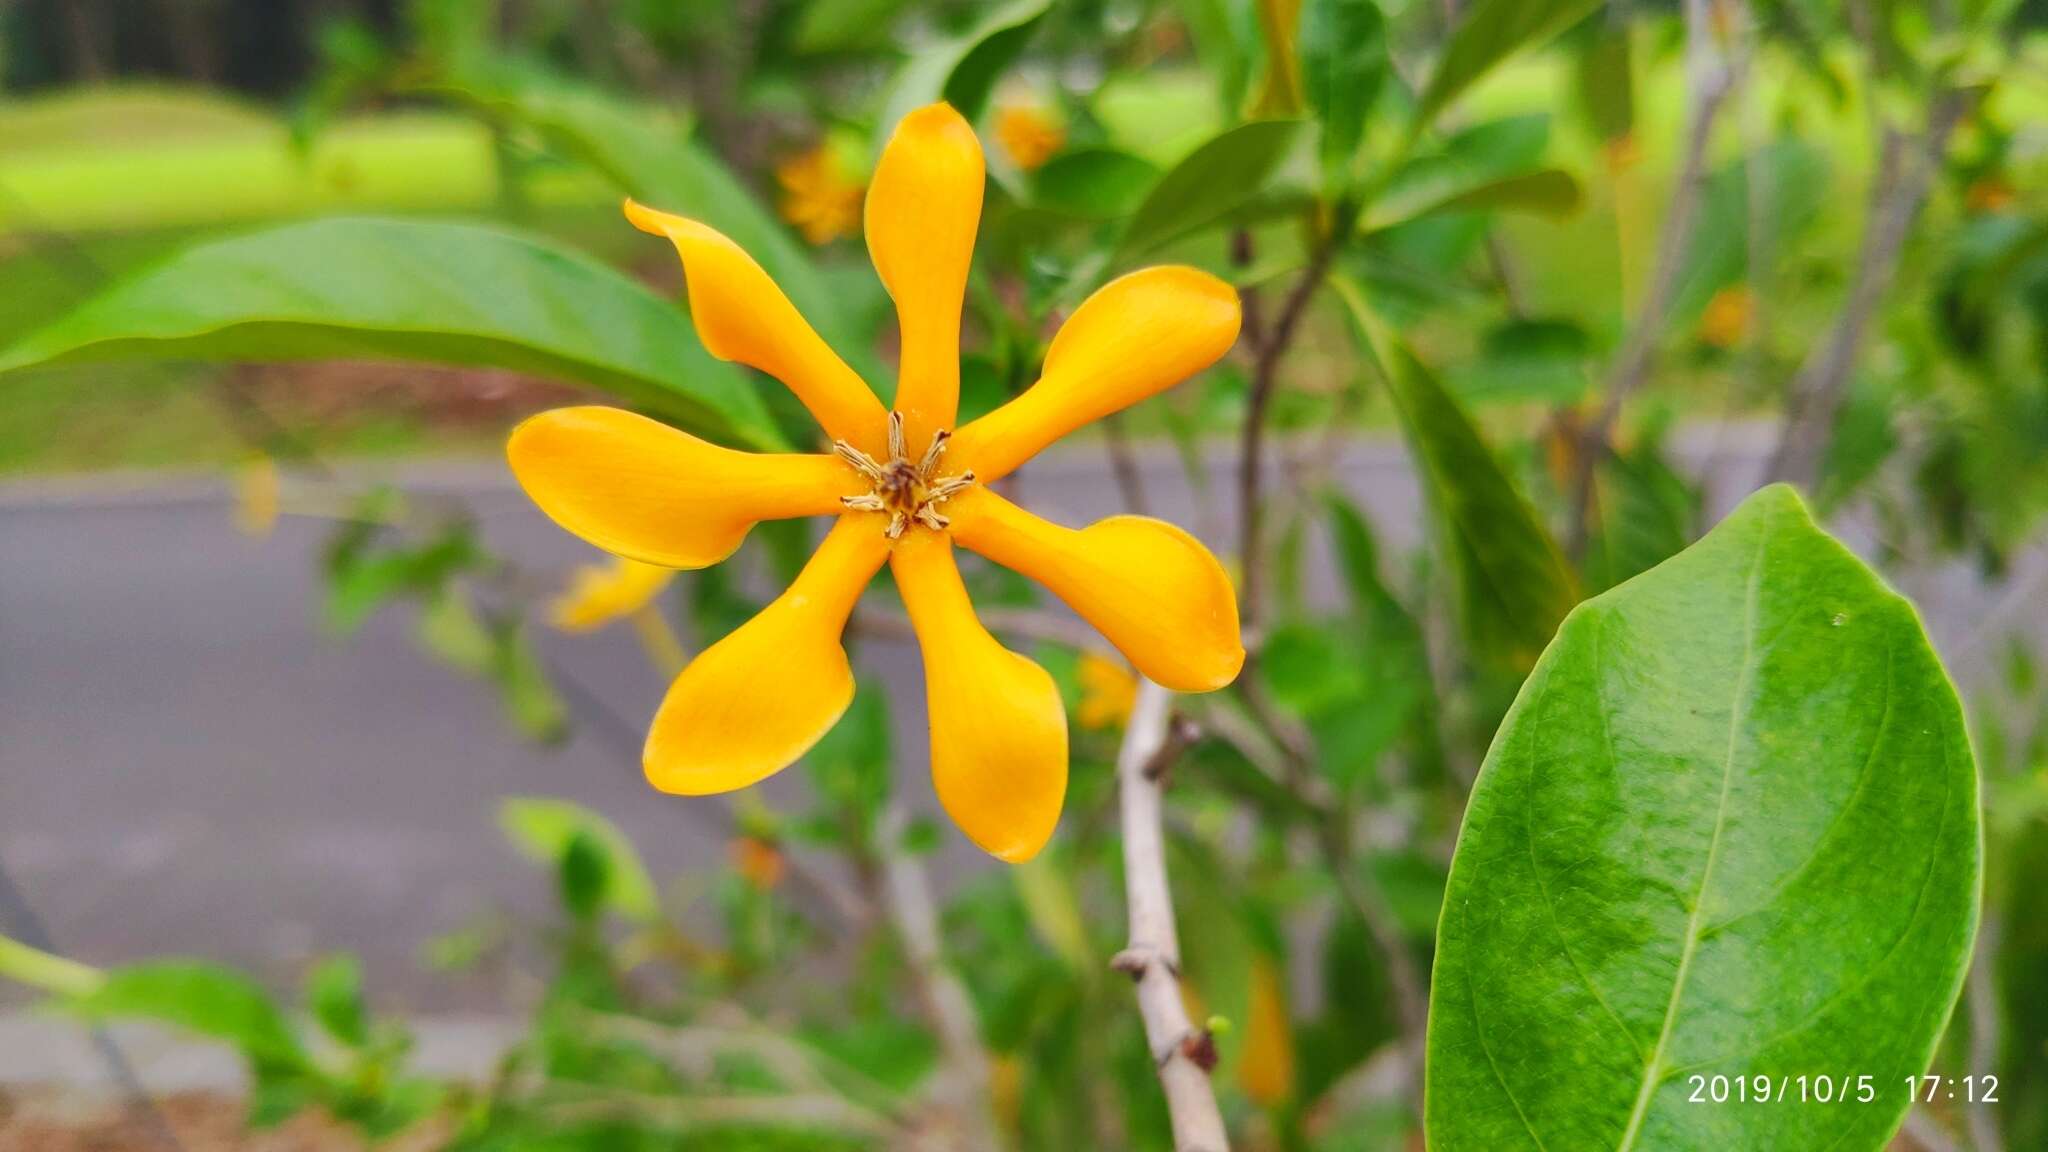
point(188, 766)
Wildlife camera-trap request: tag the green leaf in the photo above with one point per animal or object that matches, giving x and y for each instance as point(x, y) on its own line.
point(1513, 585)
point(366, 288)
point(657, 164)
point(1487, 166)
point(584, 875)
point(450, 630)
point(543, 830)
point(525, 693)
point(1606, 81)
point(334, 994)
point(1212, 181)
point(202, 998)
point(1344, 65)
point(961, 71)
point(1729, 828)
point(1527, 360)
point(840, 25)
point(1492, 31)
point(1092, 184)
point(1645, 514)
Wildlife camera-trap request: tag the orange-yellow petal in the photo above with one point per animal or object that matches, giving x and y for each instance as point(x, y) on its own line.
point(742, 316)
point(999, 734)
point(601, 593)
point(923, 208)
point(1147, 586)
point(1137, 336)
point(752, 703)
point(638, 488)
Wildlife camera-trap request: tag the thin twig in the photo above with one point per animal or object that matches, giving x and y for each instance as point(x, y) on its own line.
point(1711, 74)
point(1184, 1055)
point(964, 1077)
point(1123, 464)
point(1905, 172)
point(1251, 452)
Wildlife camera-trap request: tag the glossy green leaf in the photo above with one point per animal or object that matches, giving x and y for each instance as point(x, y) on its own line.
point(1344, 65)
point(1092, 183)
point(362, 288)
point(1513, 585)
point(205, 999)
point(1729, 828)
point(1490, 32)
point(1213, 180)
point(961, 71)
point(1493, 165)
point(543, 830)
point(659, 165)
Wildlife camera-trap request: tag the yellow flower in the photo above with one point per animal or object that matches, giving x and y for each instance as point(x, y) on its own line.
point(1108, 690)
point(818, 196)
point(1029, 135)
point(601, 593)
point(1726, 317)
point(759, 862)
point(1266, 1069)
point(905, 488)
point(256, 497)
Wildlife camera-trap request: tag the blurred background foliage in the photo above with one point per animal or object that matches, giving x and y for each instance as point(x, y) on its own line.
point(1598, 267)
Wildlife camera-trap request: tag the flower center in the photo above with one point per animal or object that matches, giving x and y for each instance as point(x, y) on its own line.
point(906, 491)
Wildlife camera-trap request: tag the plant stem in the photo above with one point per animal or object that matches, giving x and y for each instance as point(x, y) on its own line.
point(1711, 74)
point(1904, 174)
point(1152, 958)
point(659, 641)
point(50, 973)
point(964, 1078)
point(1251, 453)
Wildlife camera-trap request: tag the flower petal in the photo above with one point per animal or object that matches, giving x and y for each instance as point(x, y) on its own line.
point(999, 733)
point(923, 208)
point(1152, 589)
point(741, 315)
point(1137, 336)
point(752, 703)
point(601, 593)
point(638, 488)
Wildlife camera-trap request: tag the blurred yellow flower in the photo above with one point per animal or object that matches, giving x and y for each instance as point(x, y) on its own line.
point(1108, 690)
point(758, 861)
point(1265, 1066)
point(256, 497)
point(1029, 134)
point(1726, 318)
point(905, 488)
point(601, 593)
point(818, 196)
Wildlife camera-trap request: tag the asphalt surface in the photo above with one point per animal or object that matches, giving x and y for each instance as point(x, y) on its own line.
point(189, 766)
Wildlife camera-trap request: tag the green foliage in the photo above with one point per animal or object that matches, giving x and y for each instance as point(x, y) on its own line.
point(1513, 585)
point(1488, 33)
point(1344, 65)
point(961, 71)
point(1216, 179)
point(1665, 874)
point(580, 844)
point(395, 289)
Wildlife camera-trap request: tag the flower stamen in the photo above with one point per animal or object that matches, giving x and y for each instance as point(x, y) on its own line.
point(909, 493)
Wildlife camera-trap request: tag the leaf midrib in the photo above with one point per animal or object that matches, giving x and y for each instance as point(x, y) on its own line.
point(1738, 708)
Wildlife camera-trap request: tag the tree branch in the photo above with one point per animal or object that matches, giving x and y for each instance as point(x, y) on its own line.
point(1711, 74)
point(1183, 1053)
point(964, 1077)
point(1251, 452)
point(1904, 175)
